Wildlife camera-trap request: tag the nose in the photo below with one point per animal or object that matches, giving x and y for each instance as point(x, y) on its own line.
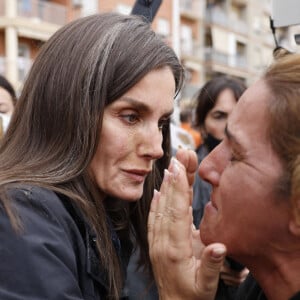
point(151, 144)
point(212, 166)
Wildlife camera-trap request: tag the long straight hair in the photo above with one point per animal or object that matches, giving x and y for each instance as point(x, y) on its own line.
point(55, 129)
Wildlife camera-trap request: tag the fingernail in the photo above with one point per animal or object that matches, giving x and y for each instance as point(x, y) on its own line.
point(166, 175)
point(218, 252)
point(155, 195)
point(174, 167)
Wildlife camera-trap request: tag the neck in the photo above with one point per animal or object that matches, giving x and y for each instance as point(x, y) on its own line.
point(279, 276)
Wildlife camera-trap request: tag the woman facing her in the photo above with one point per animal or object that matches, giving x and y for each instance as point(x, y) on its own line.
point(254, 207)
point(78, 168)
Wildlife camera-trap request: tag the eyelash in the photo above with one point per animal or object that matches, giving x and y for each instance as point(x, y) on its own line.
point(128, 118)
point(220, 117)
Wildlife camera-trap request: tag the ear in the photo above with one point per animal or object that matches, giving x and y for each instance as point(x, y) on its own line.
point(294, 224)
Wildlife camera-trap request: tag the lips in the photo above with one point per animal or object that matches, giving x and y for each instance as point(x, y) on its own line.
point(137, 174)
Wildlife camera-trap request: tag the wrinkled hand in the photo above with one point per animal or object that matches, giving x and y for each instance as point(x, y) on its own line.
point(182, 266)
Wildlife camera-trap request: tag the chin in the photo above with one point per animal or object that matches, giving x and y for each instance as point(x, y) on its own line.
point(130, 197)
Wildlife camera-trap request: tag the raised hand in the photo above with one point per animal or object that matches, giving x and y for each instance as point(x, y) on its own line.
point(183, 267)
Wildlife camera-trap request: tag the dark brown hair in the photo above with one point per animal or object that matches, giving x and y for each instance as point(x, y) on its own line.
point(207, 96)
point(55, 129)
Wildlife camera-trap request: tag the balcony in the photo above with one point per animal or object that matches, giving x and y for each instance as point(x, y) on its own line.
point(234, 61)
point(192, 9)
point(215, 15)
point(43, 11)
point(192, 50)
point(39, 11)
point(240, 2)
point(23, 64)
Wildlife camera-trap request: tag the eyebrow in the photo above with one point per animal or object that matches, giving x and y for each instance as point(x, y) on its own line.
point(219, 112)
point(143, 107)
point(232, 138)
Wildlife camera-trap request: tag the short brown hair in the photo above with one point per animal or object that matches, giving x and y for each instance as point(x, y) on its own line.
point(283, 80)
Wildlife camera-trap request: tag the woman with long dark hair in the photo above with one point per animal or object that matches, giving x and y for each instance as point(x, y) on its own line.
point(86, 147)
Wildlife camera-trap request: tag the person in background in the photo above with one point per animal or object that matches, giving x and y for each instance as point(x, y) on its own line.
point(254, 209)
point(8, 101)
point(186, 123)
point(215, 102)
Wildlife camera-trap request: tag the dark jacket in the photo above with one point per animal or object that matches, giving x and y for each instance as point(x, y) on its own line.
point(250, 290)
point(139, 284)
point(54, 256)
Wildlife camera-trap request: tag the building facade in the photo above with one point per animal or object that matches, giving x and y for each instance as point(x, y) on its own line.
point(211, 37)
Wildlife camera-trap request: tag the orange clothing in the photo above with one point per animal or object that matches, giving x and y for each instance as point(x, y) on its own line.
point(193, 132)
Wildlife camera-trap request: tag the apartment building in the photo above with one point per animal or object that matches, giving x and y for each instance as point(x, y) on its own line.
point(210, 36)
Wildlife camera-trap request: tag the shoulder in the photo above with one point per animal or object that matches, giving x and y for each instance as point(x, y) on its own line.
point(35, 196)
point(47, 243)
point(38, 200)
point(40, 211)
